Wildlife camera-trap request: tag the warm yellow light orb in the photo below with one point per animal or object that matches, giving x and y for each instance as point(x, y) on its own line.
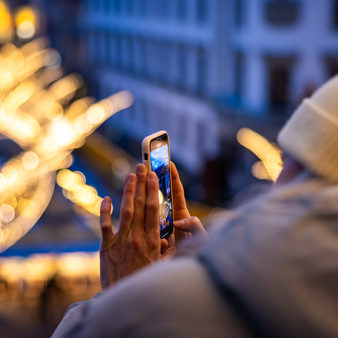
point(6, 25)
point(26, 22)
point(30, 160)
point(7, 213)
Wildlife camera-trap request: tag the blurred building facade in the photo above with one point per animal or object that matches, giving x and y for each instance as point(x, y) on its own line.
point(184, 60)
point(282, 50)
point(167, 54)
point(200, 69)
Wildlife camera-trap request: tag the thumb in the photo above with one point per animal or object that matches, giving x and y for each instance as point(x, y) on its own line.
point(190, 224)
point(170, 248)
point(105, 222)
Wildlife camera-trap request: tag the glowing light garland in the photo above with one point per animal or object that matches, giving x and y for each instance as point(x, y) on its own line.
point(33, 98)
point(270, 165)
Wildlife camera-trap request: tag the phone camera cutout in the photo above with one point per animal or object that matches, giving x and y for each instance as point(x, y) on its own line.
point(145, 157)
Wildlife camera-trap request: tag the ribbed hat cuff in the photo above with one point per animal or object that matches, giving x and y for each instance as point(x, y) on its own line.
point(311, 137)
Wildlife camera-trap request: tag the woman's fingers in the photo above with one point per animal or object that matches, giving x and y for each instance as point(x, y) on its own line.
point(105, 222)
point(140, 198)
point(169, 249)
point(152, 217)
point(127, 205)
point(164, 245)
point(180, 206)
point(190, 224)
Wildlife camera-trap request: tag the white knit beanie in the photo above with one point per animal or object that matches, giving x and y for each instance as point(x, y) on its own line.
point(311, 134)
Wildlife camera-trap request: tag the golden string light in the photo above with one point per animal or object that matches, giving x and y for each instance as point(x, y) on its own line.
point(33, 97)
point(6, 23)
point(270, 155)
point(26, 22)
point(75, 189)
point(39, 268)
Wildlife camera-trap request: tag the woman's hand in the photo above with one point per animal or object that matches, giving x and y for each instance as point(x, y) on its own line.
point(137, 242)
point(184, 224)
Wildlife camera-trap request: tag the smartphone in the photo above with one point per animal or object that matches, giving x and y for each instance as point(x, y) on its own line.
point(156, 157)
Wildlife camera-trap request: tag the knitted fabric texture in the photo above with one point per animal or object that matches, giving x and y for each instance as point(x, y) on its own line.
point(311, 134)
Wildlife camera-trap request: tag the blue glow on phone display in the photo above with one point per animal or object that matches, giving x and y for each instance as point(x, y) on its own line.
point(159, 158)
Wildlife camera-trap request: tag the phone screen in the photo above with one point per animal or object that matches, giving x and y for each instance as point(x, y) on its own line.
point(160, 164)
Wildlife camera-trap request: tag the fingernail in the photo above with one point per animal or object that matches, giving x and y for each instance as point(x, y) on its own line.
point(152, 176)
point(130, 178)
point(140, 169)
point(106, 202)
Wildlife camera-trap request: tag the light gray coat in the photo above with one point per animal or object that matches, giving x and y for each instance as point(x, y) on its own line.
point(269, 271)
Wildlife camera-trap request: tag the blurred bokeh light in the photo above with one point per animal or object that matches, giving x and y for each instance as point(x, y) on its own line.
point(51, 136)
point(42, 112)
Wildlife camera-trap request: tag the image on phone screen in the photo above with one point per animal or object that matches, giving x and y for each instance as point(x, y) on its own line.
point(161, 166)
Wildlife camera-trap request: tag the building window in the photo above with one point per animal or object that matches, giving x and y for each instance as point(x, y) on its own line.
point(181, 9)
point(148, 58)
point(92, 47)
point(331, 63)
point(201, 11)
point(137, 56)
point(201, 139)
point(162, 8)
point(238, 74)
point(107, 55)
point(112, 50)
point(151, 7)
point(141, 56)
point(170, 69)
point(163, 56)
point(201, 71)
point(126, 53)
point(129, 53)
point(335, 14)
point(142, 7)
point(132, 50)
point(118, 6)
point(239, 13)
point(152, 60)
point(279, 78)
point(158, 61)
point(99, 6)
point(281, 12)
point(91, 5)
point(102, 48)
point(118, 51)
point(144, 111)
point(129, 7)
point(183, 131)
point(182, 67)
point(107, 5)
